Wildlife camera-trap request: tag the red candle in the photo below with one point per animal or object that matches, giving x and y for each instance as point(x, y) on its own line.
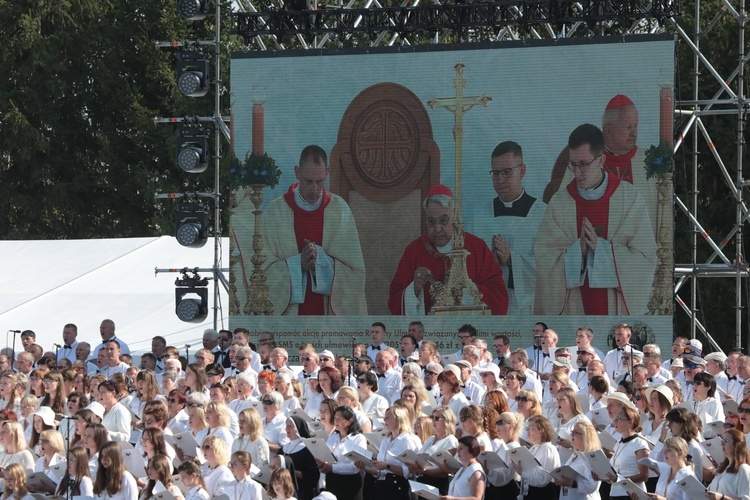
point(257, 129)
point(666, 115)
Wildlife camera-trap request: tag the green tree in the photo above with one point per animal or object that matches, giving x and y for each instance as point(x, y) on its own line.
point(80, 155)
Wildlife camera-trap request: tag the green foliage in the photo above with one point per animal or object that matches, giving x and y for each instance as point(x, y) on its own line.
point(81, 155)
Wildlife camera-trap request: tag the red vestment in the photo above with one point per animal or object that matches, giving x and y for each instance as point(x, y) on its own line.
point(482, 267)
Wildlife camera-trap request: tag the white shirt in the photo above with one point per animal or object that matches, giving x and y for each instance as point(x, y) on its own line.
point(587, 489)
point(117, 422)
point(68, 353)
point(390, 448)
point(371, 353)
point(124, 349)
point(734, 485)
point(258, 450)
point(197, 493)
point(431, 446)
point(247, 489)
point(460, 485)
point(374, 407)
point(129, 490)
point(275, 431)
point(625, 462)
point(548, 458)
point(457, 402)
point(217, 479)
point(670, 489)
point(341, 446)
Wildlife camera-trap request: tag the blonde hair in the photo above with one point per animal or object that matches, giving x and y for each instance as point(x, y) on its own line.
point(536, 409)
point(448, 417)
point(401, 415)
point(221, 452)
point(352, 394)
point(572, 398)
point(18, 473)
point(515, 420)
point(253, 418)
point(54, 438)
point(225, 420)
point(588, 434)
point(18, 441)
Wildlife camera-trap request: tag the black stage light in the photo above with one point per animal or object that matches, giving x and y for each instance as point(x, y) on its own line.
point(193, 70)
point(191, 223)
point(192, 149)
point(191, 298)
point(192, 10)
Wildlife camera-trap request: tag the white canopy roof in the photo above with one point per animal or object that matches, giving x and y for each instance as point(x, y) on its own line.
point(48, 284)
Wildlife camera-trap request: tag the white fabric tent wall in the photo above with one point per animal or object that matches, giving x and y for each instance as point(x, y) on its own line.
point(50, 283)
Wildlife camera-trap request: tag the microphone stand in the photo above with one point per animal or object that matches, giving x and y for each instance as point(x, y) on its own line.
point(13, 365)
point(187, 353)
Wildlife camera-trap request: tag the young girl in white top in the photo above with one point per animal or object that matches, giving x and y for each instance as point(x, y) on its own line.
point(112, 480)
point(15, 483)
point(280, 485)
point(77, 476)
point(191, 477)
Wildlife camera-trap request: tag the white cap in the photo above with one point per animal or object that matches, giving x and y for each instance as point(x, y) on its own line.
point(563, 362)
point(716, 356)
point(620, 398)
point(453, 369)
point(696, 343)
point(327, 354)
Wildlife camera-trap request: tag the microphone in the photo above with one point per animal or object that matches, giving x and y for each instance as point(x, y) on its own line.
point(353, 338)
point(187, 345)
point(14, 331)
point(57, 345)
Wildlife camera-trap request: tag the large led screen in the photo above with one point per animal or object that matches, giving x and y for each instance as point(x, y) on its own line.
point(533, 170)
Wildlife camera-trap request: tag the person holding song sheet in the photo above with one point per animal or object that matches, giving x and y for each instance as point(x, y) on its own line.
point(536, 484)
point(159, 469)
point(343, 478)
point(678, 466)
point(191, 477)
point(244, 487)
point(732, 481)
point(584, 438)
point(503, 483)
point(385, 477)
point(443, 439)
point(112, 480)
point(628, 451)
point(216, 474)
point(469, 482)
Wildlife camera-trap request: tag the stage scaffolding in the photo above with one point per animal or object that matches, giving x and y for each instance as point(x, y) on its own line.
point(273, 25)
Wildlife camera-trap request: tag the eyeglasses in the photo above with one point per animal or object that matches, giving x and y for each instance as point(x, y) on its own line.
point(323, 360)
point(436, 418)
point(206, 446)
point(728, 441)
point(581, 353)
point(267, 402)
point(240, 358)
point(576, 433)
point(522, 399)
point(511, 378)
point(428, 372)
point(691, 366)
point(172, 400)
point(464, 337)
point(305, 359)
point(583, 167)
point(486, 374)
point(464, 419)
point(224, 339)
point(442, 221)
point(504, 173)
point(362, 380)
point(234, 464)
point(746, 411)
point(700, 382)
point(502, 422)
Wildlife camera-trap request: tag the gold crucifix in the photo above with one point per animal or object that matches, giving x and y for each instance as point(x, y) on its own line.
point(458, 105)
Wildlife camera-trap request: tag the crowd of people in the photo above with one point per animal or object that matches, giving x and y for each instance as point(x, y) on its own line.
point(238, 420)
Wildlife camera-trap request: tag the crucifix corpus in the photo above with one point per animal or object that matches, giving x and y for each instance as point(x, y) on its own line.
point(447, 297)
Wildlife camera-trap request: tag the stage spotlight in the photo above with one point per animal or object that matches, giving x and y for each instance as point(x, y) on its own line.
point(191, 298)
point(193, 70)
point(192, 149)
point(191, 223)
point(193, 10)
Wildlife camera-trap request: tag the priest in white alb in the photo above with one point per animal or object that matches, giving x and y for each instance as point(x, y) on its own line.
point(314, 260)
point(595, 248)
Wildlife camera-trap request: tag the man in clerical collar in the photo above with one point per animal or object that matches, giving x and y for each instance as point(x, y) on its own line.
point(517, 215)
point(427, 258)
point(315, 264)
point(595, 247)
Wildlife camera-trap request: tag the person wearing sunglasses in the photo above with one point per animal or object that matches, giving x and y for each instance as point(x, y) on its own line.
point(538, 481)
point(503, 483)
point(215, 470)
point(373, 404)
point(514, 380)
point(274, 422)
point(528, 404)
point(443, 439)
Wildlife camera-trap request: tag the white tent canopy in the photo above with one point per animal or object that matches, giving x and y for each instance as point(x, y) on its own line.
point(52, 283)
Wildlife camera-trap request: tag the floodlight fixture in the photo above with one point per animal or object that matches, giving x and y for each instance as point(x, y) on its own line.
point(191, 298)
point(193, 10)
point(192, 149)
point(193, 73)
point(191, 223)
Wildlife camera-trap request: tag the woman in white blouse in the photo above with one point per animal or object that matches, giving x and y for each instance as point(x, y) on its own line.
point(673, 471)
point(443, 439)
point(707, 407)
point(584, 438)
point(570, 414)
point(386, 475)
point(450, 392)
point(245, 386)
point(472, 424)
point(343, 478)
point(51, 445)
point(216, 474)
point(539, 482)
point(348, 397)
point(732, 481)
point(251, 437)
point(557, 381)
point(14, 445)
point(112, 480)
point(329, 382)
point(274, 423)
point(660, 403)
point(116, 416)
point(628, 451)
point(219, 421)
point(146, 389)
point(373, 404)
point(504, 482)
point(283, 385)
point(469, 481)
